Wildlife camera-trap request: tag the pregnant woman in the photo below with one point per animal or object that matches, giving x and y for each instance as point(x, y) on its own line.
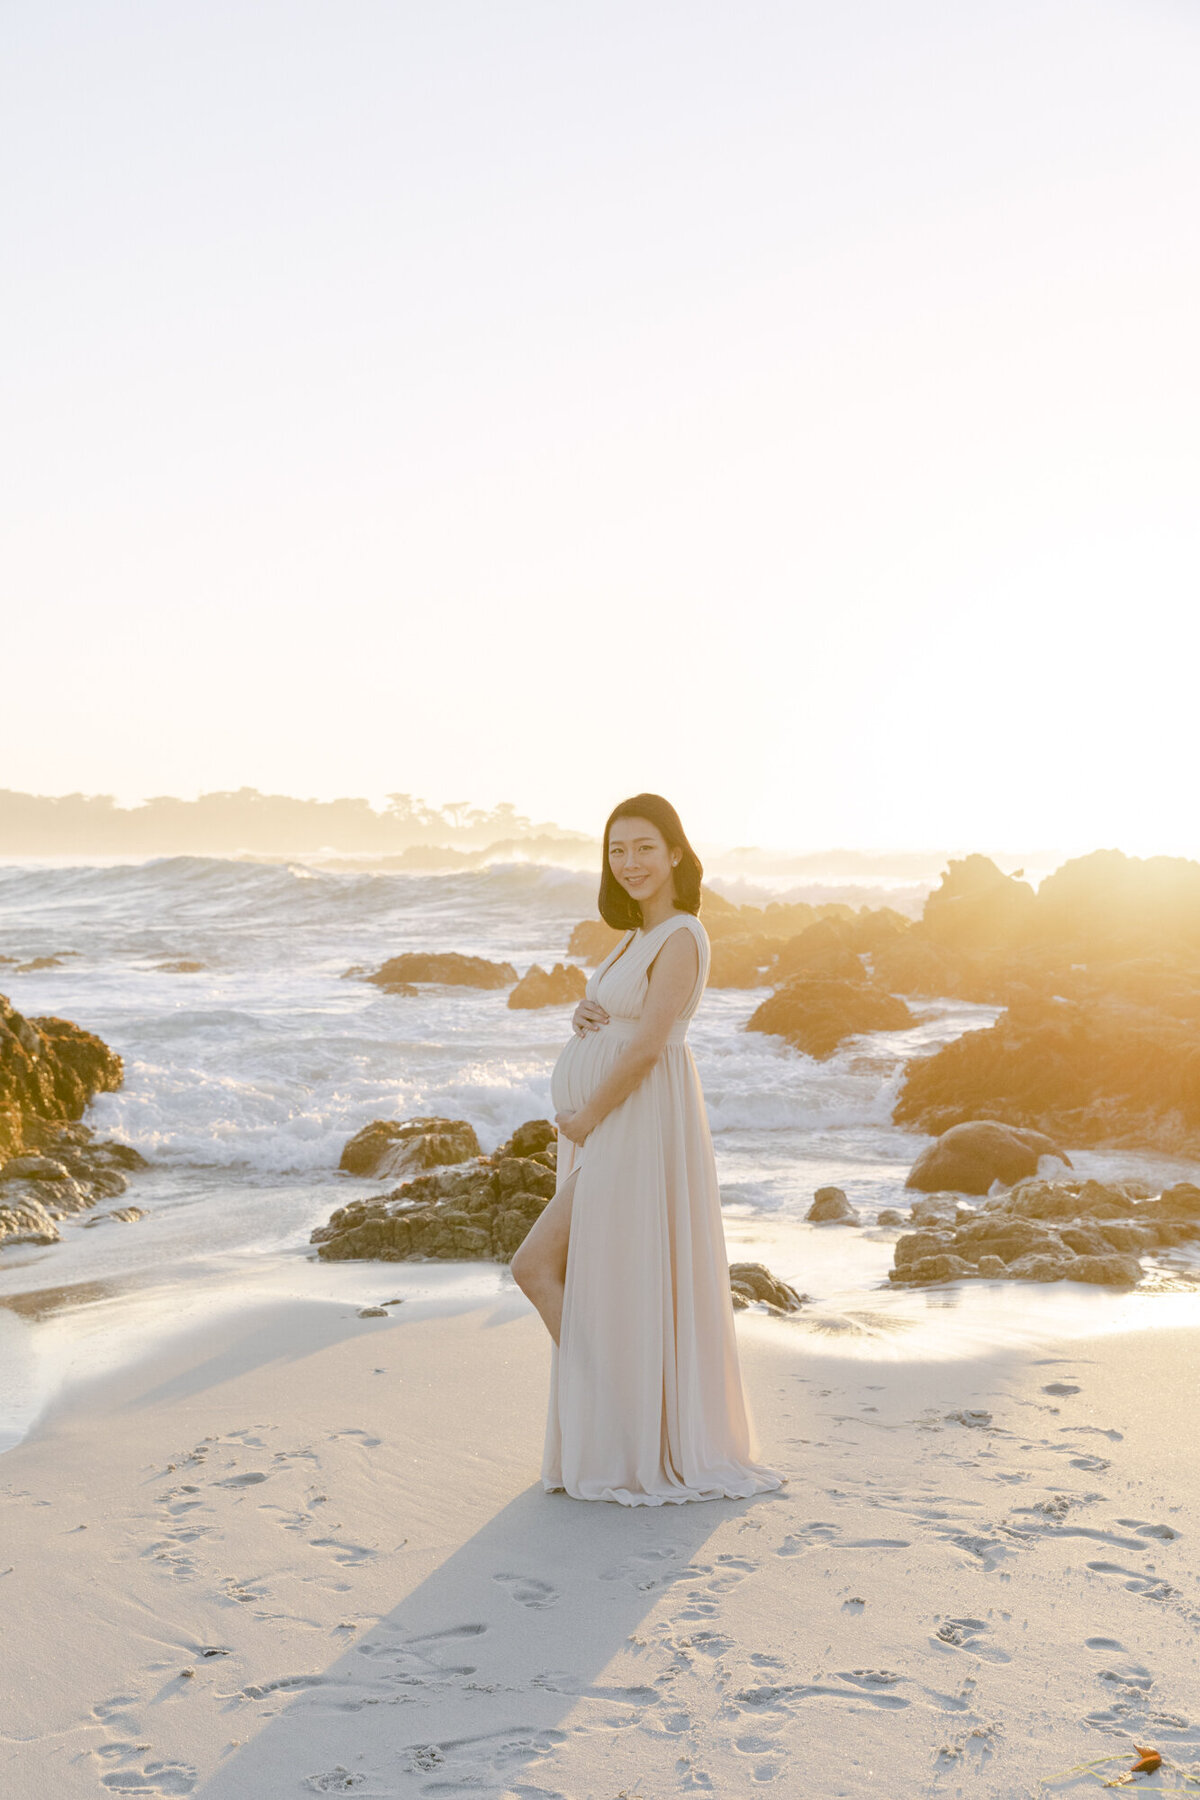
point(627, 1265)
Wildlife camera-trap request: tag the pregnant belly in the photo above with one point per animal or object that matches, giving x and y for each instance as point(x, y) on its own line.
point(582, 1065)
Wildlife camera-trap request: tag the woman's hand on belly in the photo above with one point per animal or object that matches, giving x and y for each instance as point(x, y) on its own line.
point(575, 1126)
point(589, 1015)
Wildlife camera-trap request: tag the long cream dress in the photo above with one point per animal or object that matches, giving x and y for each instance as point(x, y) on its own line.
point(646, 1398)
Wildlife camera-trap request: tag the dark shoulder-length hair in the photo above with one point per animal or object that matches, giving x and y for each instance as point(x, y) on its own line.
point(618, 907)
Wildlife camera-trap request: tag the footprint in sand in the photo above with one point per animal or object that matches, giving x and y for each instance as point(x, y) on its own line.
point(151, 1778)
point(349, 1555)
point(251, 1479)
point(527, 1590)
point(1126, 1686)
point(335, 1781)
point(286, 1684)
point(364, 1437)
point(1167, 1533)
point(978, 1743)
point(968, 1635)
point(418, 1657)
point(692, 1778)
point(479, 1764)
point(1138, 1581)
point(703, 1602)
point(781, 1699)
point(806, 1538)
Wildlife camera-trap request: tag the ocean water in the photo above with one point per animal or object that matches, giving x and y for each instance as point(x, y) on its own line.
point(244, 1081)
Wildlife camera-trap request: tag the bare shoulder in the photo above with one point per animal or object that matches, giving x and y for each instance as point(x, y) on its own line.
point(680, 953)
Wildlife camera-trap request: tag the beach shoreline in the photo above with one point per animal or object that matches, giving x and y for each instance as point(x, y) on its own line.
point(293, 1547)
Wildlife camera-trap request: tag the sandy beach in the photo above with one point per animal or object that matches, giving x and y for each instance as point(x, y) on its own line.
point(298, 1551)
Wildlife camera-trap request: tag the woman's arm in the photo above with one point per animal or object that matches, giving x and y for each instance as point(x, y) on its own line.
point(672, 977)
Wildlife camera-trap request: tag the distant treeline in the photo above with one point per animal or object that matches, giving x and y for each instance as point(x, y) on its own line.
point(247, 821)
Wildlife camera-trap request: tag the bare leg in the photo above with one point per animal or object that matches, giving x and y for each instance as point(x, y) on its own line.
point(539, 1265)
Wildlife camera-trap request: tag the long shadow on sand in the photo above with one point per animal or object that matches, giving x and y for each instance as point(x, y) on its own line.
point(466, 1687)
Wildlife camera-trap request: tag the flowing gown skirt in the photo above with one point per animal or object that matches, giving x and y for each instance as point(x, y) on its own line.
point(647, 1404)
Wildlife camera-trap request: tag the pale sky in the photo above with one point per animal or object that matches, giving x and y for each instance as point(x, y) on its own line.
point(789, 407)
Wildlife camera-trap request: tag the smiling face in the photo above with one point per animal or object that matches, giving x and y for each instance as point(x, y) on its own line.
point(641, 860)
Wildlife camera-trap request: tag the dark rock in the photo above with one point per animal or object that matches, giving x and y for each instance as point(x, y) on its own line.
point(592, 940)
point(53, 1167)
point(1181, 1201)
point(816, 1015)
point(751, 1281)
point(1070, 1200)
point(484, 1208)
point(562, 986)
point(743, 962)
point(969, 1157)
point(1126, 1238)
point(929, 1269)
point(34, 1168)
point(180, 967)
point(1084, 1240)
point(830, 1206)
point(1042, 1267)
point(24, 1221)
point(1097, 1071)
point(823, 949)
point(935, 1209)
point(889, 1216)
point(391, 1146)
point(447, 967)
point(1005, 1237)
point(1109, 1271)
point(528, 1139)
point(1050, 1231)
point(918, 1244)
point(50, 1069)
point(977, 907)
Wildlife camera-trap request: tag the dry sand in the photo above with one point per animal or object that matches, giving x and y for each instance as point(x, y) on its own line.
point(306, 1553)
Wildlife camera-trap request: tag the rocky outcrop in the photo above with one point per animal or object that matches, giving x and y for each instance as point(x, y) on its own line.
point(968, 1158)
point(51, 1166)
point(484, 1210)
point(563, 985)
point(975, 906)
point(592, 940)
point(448, 967)
point(1103, 925)
point(66, 1172)
point(25, 1221)
point(1093, 1072)
point(825, 948)
point(744, 961)
point(1069, 1230)
point(749, 943)
point(395, 1146)
point(49, 1070)
point(181, 966)
point(751, 1282)
point(816, 1014)
point(831, 1207)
